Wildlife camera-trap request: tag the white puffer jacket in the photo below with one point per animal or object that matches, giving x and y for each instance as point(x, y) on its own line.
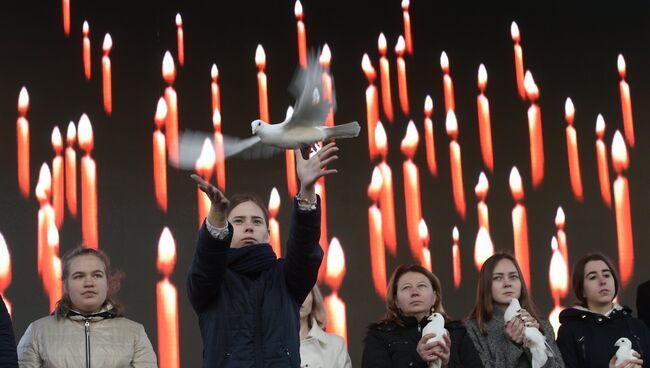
point(91, 342)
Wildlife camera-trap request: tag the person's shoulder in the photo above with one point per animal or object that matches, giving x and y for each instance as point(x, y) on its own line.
point(47, 321)
point(383, 326)
point(125, 323)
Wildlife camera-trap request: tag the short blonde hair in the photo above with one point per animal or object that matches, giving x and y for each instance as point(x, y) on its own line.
point(318, 308)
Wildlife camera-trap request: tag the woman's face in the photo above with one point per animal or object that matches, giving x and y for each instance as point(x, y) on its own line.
point(506, 283)
point(87, 284)
point(415, 294)
point(248, 225)
point(305, 309)
point(598, 284)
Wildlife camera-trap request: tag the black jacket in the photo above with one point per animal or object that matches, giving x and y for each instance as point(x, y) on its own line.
point(389, 345)
point(8, 357)
point(250, 317)
point(587, 339)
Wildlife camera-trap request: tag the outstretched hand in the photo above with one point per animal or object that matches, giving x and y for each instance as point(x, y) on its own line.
point(309, 171)
point(218, 201)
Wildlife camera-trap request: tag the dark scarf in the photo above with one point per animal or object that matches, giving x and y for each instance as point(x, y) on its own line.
point(252, 259)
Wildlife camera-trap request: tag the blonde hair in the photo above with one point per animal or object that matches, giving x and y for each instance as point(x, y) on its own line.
point(318, 312)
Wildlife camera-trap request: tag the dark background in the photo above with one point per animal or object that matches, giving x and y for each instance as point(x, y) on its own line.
point(571, 50)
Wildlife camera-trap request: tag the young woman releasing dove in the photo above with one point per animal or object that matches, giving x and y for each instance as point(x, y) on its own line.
point(501, 340)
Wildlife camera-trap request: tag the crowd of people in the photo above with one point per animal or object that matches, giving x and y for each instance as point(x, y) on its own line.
point(257, 310)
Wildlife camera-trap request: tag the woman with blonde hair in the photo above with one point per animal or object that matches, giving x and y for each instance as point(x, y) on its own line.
point(317, 347)
point(414, 293)
point(87, 328)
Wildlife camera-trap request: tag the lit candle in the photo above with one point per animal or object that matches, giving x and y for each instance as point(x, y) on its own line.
point(106, 75)
point(401, 76)
point(483, 247)
point(22, 140)
point(481, 190)
point(572, 150)
point(386, 200)
point(320, 190)
point(290, 161)
point(563, 247)
point(204, 167)
point(384, 76)
point(274, 225)
point(57, 177)
point(214, 89)
point(455, 251)
point(425, 255)
point(328, 92)
point(65, 8)
point(335, 307)
point(86, 49)
point(159, 160)
point(620, 161)
point(179, 39)
point(71, 170)
point(302, 38)
point(626, 102)
point(171, 123)
point(519, 60)
point(57, 285)
point(429, 139)
point(167, 303)
point(520, 225)
point(260, 61)
point(484, 125)
point(5, 271)
point(45, 214)
point(52, 278)
point(377, 250)
point(407, 26)
point(372, 104)
point(448, 84)
point(535, 131)
point(88, 184)
point(558, 277)
point(219, 154)
point(412, 189)
point(603, 168)
point(456, 164)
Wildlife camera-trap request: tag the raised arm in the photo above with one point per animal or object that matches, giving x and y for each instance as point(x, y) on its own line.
point(304, 254)
point(208, 267)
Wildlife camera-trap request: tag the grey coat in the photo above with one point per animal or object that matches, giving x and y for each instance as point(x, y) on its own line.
point(497, 351)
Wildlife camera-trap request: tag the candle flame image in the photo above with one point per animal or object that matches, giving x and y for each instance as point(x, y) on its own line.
point(481, 190)
point(204, 167)
point(620, 161)
point(88, 183)
point(86, 49)
point(558, 275)
point(260, 62)
point(58, 178)
point(484, 124)
point(456, 164)
point(483, 247)
point(407, 26)
point(455, 251)
point(535, 131)
point(376, 238)
point(333, 304)
point(171, 123)
point(519, 60)
point(386, 201)
point(274, 225)
point(22, 136)
point(5, 265)
point(180, 39)
point(425, 257)
point(603, 167)
point(106, 74)
point(384, 75)
point(71, 170)
point(626, 102)
point(372, 104)
point(520, 225)
point(401, 76)
point(412, 189)
point(302, 37)
point(572, 150)
point(216, 94)
point(167, 303)
point(166, 252)
point(429, 139)
point(448, 85)
point(335, 265)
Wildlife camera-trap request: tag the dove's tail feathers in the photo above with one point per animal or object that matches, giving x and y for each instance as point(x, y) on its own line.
point(348, 130)
point(539, 355)
point(436, 364)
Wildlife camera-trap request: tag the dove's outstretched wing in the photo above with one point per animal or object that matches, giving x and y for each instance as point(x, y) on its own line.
point(311, 107)
point(248, 148)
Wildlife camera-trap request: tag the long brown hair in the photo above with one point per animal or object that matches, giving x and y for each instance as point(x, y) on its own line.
point(113, 279)
point(392, 311)
point(484, 306)
point(578, 276)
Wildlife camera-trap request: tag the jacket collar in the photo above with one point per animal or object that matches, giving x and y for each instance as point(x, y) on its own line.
point(409, 321)
point(104, 313)
point(317, 332)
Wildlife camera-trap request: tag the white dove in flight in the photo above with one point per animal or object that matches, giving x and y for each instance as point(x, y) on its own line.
point(303, 126)
point(624, 351)
point(535, 341)
point(436, 325)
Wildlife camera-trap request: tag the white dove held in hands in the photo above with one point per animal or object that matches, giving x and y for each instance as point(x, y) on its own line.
point(436, 326)
point(536, 342)
point(624, 351)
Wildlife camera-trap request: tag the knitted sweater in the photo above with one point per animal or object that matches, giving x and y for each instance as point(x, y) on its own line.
point(497, 351)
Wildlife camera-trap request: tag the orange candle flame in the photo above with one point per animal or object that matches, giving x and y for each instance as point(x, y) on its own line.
point(86, 49)
point(429, 136)
point(569, 111)
point(456, 164)
point(168, 68)
point(483, 247)
point(335, 265)
point(407, 26)
point(216, 94)
point(485, 129)
point(558, 276)
point(401, 76)
point(166, 252)
point(274, 203)
point(603, 168)
point(179, 39)
point(22, 136)
point(410, 142)
point(448, 85)
point(384, 74)
point(455, 250)
point(481, 190)
point(520, 225)
point(260, 57)
point(572, 151)
point(626, 103)
point(71, 170)
point(57, 169)
point(624, 232)
point(5, 265)
point(377, 251)
point(377, 181)
point(106, 74)
point(274, 226)
point(302, 38)
point(519, 60)
point(425, 257)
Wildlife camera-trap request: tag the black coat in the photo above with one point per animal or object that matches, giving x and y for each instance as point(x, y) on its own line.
point(8, 357)
point(251, 319)
point(587, 339)
point(389, 345)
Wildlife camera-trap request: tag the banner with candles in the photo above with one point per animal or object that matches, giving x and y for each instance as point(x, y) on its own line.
point(542, 159)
